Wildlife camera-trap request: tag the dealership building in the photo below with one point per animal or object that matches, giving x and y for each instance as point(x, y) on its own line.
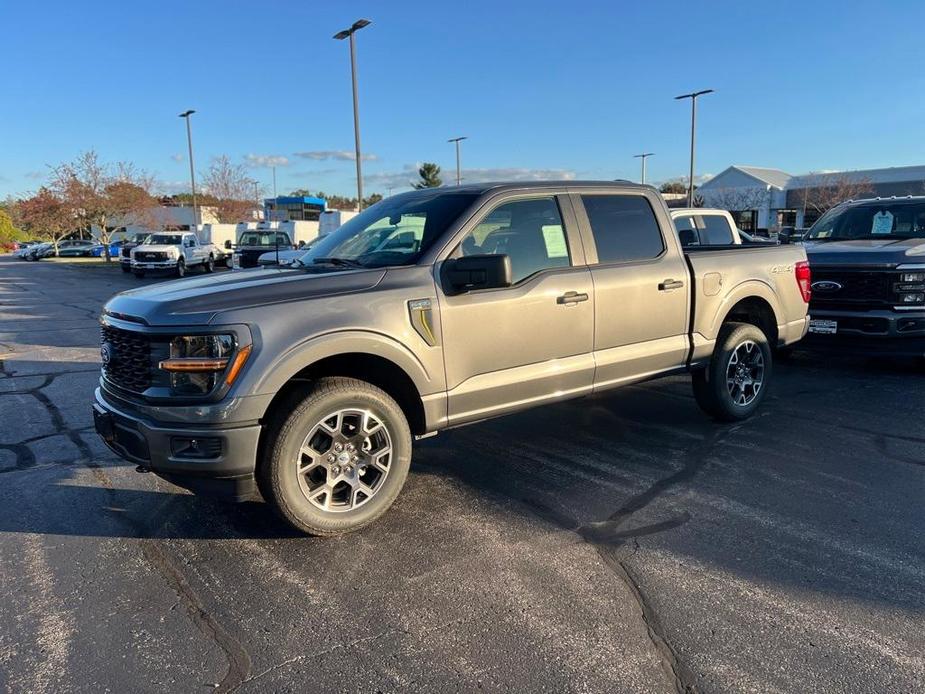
point(761, 198)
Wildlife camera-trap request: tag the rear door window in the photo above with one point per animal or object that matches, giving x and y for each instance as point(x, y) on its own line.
point(687, 231)
point(624, 228)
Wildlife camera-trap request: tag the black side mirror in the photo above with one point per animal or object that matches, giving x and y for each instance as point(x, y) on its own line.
point(227, 245)
point(477, 272)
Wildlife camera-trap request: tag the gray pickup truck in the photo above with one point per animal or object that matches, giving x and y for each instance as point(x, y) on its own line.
point(431, 309)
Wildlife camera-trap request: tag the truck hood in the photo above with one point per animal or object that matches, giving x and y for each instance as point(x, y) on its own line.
point(199, 300)
point(866, 252)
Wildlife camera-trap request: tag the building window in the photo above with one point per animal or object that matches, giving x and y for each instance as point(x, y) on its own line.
point(746, 220)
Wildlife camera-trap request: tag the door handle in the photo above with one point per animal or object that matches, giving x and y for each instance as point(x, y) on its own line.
point(571, 298)
point(670, 284)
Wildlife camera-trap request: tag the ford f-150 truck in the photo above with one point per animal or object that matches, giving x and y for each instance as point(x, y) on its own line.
point(176, 252)
point(431, 309)
point(868, 265)
point(254, 244)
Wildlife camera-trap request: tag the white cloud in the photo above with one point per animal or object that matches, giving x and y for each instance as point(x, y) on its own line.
point(335, 155)
point(35, 175)
point(178, 157)
point(171, 187)
point(266, 160)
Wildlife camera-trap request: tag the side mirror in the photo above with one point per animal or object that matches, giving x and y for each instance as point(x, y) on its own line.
point(477, 272)
point(227, 245)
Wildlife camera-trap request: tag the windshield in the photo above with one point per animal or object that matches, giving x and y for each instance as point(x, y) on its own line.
point(394, 231)
point(163, 240)
point(876, 221)
point(263, 238)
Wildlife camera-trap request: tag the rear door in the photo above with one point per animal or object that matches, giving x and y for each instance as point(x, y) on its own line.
point(511, 347)
point(641, 284)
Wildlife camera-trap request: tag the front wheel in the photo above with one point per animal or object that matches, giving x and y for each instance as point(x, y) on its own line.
point(210, 264)
point(732, 387)
point(181, 268)
point(338, 459)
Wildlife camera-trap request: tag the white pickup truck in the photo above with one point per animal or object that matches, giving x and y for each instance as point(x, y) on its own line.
point(700, 226)
point(176, 252)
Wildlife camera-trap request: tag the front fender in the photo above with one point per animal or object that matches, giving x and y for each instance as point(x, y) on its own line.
point(319, 347)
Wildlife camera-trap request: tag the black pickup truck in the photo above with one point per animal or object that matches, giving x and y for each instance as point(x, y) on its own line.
point(868, 269)
point(254, 244)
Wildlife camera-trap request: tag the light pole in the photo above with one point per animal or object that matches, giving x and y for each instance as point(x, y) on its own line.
point(274, 182)
point(643, 156)
point(340, 36)
point(693, 97)
point(192, 175)
point(457, 140)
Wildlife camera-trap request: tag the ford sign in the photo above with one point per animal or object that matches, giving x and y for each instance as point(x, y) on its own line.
point(826, 286)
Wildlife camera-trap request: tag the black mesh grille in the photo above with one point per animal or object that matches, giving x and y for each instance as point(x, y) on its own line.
point(129, 358)
point(857, 287)
point(150, 255)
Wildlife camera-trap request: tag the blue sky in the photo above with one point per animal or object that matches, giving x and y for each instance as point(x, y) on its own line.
point(542, 89)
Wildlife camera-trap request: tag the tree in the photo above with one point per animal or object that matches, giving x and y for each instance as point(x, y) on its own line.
point(105, 196)
point(232, 190)
point(673, 187)
point(371, 199)
point(735, 199)
point(825, 191)
point(8, 231)
point(46, 216)
point(430, 176)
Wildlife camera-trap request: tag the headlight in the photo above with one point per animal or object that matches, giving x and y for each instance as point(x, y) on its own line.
point(198, 362)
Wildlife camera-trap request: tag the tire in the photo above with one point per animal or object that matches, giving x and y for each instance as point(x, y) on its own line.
point(125, 268)
point(139, 274)
point(742, 352)
point(319, 422)
point(181, 268)
point(210, 264)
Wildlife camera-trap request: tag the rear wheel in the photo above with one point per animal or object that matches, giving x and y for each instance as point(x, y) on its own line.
point(734, 384)
point(210, 264)
point(181, 267)
point(338, 459)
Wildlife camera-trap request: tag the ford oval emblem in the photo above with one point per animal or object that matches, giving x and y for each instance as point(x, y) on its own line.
point(826, 286)
point(106, 353)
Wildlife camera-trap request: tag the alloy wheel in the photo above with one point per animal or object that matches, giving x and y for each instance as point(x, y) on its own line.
point(344, 460)
point(745, 373)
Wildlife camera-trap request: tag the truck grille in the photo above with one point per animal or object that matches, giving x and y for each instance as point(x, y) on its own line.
point(129, 358)
point(856, 288)
point(150, 256)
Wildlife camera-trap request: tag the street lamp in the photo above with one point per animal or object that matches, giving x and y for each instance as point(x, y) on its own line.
point(643, 156)
point(693, 97)
point(192, 175)
point(340, 36)
point(457, 140)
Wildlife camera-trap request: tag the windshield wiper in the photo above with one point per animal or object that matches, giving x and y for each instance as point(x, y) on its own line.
point(341, 262)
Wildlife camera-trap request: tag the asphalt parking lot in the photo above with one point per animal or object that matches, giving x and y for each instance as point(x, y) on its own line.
point(623, 543)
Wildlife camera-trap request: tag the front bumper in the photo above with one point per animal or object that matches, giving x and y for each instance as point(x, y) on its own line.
point(221, 462)
point(154, 265)
point(871, 333)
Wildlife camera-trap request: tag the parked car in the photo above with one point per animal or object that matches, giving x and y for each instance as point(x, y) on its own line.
point(868, 263)
point(175, 252)
point(705, 227)
point(76, 249)
point(99, 250)
point(431, 309)
point(128, 243)
point(254, 244)
point(38, 251)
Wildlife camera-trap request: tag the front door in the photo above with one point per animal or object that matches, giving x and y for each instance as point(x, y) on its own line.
point(528, 343)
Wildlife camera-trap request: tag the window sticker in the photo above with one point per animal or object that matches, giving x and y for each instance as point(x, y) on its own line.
point(883, 223)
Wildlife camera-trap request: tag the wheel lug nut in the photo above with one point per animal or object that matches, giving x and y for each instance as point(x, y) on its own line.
point(349, 469)
point(338, 447)
point(331, 458)
point(356, 458)
point(335, 470)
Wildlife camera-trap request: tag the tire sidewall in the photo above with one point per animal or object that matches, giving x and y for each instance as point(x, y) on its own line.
point(731, 341)
point(210, 264)
point(181, 268)
point(284, 477)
